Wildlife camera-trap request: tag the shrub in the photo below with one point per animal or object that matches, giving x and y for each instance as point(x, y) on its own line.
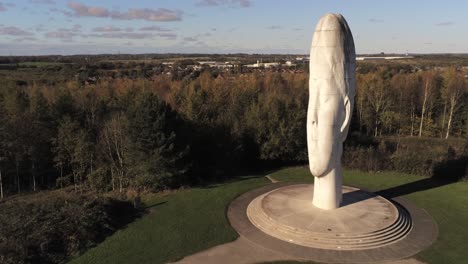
point(426, 157)
point(51, 227)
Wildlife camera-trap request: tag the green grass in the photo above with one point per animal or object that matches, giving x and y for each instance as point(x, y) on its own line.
point(192, 220)
point(178, 225)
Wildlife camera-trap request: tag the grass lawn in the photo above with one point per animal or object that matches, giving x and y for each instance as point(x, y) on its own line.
point(178, 225)
point(192, 220)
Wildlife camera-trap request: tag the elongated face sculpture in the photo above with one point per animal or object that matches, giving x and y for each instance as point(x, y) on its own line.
point(331, 99)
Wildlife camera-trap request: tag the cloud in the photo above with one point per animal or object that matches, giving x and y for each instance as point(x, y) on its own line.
point(123, 35)
point(196, 38)
point(190, 39)
point(443, 24)
point(66, 36)
point(274, 27)
point(107, 29)
point(83, 10)
point(155, 28)
point(160, 14)
point(40, 28)
point(130, 35)
point(2, 7)
point(376, 20)
point(240, 3)
point(76, 28)
point(14, 31)
point(170, 36)
point(26, 39)
point(46, 2)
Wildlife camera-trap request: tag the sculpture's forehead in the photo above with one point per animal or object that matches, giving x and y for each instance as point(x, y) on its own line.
point(332, 58)
point(331, 22)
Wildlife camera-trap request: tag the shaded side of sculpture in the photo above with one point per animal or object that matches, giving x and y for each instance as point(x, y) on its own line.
point(331, 99)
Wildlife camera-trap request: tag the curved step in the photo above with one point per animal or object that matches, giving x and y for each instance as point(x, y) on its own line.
point(387, 235)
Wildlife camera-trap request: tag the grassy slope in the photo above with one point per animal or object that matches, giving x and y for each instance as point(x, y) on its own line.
point(179, 224)
point(194, 219)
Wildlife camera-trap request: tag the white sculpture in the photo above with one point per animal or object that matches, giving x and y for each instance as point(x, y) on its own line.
point(331, 99)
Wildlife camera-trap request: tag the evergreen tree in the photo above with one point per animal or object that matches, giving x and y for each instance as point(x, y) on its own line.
point(156, 151)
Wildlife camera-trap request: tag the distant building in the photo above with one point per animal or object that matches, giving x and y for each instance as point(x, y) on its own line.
point(361, 58)
point(263, 65)
point(216, 64)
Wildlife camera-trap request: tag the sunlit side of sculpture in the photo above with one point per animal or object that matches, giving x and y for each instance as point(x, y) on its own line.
point(331, 99)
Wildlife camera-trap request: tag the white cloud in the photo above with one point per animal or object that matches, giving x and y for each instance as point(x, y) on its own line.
point(443, 24)
point(160, 14)
point(2, 7)
point(240, 3)
point(107, 29)
point(46, 2)
point(154, 28)
point(14, 31)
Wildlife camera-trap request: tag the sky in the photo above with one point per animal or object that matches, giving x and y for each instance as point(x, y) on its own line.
point(43, 27)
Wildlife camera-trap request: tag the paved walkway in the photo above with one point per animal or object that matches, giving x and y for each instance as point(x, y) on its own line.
point(237, 252)
point(242, 251)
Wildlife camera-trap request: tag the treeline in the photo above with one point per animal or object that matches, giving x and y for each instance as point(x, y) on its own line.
point(161, 133)
point(428, 103)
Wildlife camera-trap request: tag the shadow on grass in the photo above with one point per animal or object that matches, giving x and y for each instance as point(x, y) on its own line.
point(154, 205)
point(444, 173)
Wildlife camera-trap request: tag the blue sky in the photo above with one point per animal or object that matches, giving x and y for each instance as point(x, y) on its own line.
point(38, 27)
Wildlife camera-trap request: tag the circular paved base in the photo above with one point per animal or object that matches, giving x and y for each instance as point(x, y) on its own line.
point(418, 236)
point(363, 221)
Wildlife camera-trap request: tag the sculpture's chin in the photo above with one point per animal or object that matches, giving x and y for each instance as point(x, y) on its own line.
point(317, 171)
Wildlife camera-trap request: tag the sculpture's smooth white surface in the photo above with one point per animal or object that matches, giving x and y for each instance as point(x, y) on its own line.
point(331, 99)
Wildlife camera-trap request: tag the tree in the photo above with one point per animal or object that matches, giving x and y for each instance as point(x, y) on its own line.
point(3, 153)
point(276, 122)
point(40, 129)
point(17, 127)
point(115, 147)
point(429, 86)
point(156, 151)
point(73, 151)
point(453, 90)
point(377, 101)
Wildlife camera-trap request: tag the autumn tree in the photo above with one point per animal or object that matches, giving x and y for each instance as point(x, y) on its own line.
point(452, 92)
point(427, 95)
